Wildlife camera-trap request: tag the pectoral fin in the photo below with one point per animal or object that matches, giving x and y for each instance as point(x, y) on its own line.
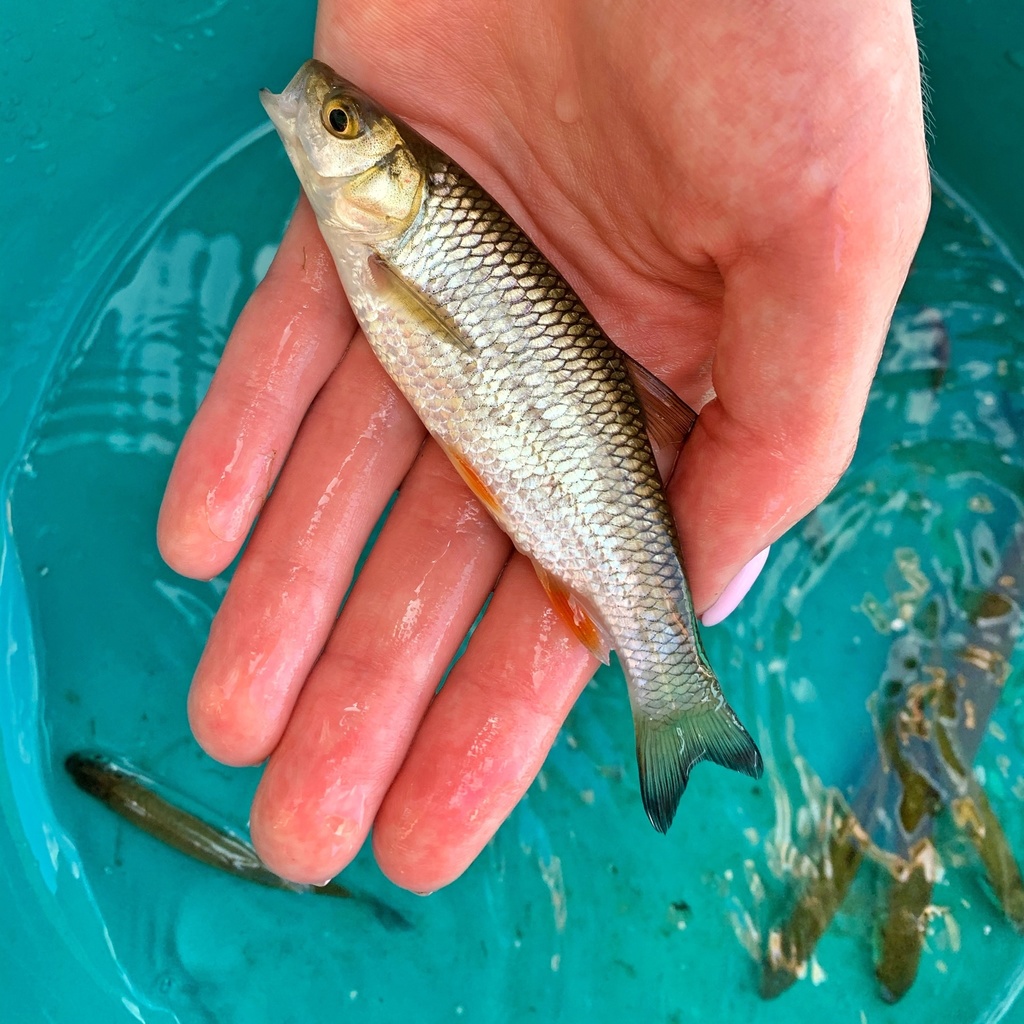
point(407, 295)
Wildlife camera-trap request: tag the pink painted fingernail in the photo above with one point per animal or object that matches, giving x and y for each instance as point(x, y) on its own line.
point(736, 590)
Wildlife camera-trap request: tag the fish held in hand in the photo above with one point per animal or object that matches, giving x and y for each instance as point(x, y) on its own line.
point(537, 409)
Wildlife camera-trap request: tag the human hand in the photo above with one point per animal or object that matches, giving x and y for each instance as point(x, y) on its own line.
point(735, 193)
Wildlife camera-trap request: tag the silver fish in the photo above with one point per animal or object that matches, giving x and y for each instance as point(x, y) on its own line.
point(536, 408)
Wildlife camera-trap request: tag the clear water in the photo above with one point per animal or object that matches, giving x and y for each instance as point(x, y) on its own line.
point(577, 910)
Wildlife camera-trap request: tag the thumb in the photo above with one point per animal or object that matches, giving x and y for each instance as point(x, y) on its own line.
point(801, 336)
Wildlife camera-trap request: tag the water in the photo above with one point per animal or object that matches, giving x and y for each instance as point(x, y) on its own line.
point(577, 910)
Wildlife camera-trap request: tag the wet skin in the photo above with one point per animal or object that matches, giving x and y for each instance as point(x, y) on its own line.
point(737, 208)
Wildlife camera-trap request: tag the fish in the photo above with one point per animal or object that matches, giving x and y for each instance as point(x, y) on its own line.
point(537, 409)
point(130, 793)
point(930, 714)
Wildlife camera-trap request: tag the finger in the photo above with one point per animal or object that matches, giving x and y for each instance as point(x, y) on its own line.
point(804, 321)
point(484, 738)
point(426, 579)
point(288, 339)
point(355, 446)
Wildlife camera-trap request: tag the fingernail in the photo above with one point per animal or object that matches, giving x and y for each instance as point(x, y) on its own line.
point(430, 893)
point(736, 590)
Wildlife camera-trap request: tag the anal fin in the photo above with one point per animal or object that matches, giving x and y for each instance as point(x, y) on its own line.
point(573, 610)
point(576, 614)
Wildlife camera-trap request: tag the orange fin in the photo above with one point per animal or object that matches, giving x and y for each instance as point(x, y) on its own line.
point(476, 484)
point(669, 419)
point(573, 611)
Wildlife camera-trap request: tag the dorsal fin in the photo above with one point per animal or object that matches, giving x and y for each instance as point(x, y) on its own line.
point(669, 419)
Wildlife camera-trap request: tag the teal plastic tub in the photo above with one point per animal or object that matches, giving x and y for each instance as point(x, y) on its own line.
point(142, 198)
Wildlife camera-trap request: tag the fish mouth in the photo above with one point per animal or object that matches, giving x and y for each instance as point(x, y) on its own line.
point(283, 107)
point(280, 111)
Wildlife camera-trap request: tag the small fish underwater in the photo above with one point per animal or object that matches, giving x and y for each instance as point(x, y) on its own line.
point(932, 710)
point(553, 428)
point(133, 795)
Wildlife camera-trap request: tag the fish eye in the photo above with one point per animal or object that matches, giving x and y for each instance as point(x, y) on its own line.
point(339, 118)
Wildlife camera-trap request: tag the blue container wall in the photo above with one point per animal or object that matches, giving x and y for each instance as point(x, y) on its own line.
point(107, 110)
point(974, 61)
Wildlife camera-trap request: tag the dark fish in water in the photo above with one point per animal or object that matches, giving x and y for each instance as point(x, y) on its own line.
point(132, 795)
point(539, 412)
point(933, 714)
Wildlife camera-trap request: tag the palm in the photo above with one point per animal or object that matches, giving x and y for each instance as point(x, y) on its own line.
point(691, 185)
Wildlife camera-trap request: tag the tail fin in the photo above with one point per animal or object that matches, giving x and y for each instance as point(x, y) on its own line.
point(667, 749)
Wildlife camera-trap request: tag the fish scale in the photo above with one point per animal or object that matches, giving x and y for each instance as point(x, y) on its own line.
point(537, 408)
point(500, 303)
